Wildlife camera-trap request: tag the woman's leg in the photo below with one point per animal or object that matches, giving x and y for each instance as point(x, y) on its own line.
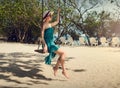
point(44, 47)
point(55, 68)
point(61, 61)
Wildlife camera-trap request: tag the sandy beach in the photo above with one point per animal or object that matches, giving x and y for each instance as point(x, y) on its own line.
point(88, 67)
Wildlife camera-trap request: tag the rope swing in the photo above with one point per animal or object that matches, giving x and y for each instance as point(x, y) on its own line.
point(39, 39)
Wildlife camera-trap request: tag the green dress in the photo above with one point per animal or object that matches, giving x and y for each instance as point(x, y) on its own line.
point(49, 39)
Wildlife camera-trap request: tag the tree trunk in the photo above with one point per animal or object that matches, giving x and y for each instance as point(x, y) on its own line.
point(24, 33)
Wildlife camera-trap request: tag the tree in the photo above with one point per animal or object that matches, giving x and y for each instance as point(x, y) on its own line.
point(24, 17)
point(18, 16)
point(81, 8)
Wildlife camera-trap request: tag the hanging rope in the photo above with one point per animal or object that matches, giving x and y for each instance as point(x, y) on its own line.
point(59, 22)
point(39, 42)
point(39, 39)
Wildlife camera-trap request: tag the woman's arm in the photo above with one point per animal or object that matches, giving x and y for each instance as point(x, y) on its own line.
point(42, 35)
point(43, 41)
point(58, 18)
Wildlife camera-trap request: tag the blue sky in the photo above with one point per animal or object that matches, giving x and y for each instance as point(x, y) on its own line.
point(110, 8)
point(105, 5)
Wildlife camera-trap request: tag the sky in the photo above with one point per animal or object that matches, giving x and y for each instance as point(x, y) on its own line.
point(110, 8)
point(107, 6)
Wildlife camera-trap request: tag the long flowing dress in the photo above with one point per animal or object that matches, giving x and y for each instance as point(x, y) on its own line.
point(49, 39)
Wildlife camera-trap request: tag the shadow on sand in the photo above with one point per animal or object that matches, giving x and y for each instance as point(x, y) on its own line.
point(12, 87)
point(10, 63)
point(79, 70)
point(13, 69)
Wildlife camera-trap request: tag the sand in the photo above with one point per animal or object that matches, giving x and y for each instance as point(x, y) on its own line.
point(88, 67)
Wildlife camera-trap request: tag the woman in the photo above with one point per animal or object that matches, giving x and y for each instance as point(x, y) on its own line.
point(48, 41)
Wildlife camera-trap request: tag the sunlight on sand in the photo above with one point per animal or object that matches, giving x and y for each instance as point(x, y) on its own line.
point(88, 67)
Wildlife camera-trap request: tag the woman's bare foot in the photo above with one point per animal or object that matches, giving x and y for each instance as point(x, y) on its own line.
point(64, 73)
point(55, 70)
point(45, 49)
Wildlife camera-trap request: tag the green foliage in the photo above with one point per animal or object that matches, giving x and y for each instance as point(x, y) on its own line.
point(24, 17)
point(19, 15)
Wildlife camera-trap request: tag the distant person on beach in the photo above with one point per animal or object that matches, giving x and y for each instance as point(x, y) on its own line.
point(48, 41)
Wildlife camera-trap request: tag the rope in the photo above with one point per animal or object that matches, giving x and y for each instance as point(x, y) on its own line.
point(39, 39)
